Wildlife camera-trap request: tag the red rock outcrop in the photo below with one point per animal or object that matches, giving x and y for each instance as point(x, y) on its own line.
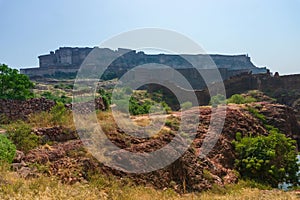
point(71, 163)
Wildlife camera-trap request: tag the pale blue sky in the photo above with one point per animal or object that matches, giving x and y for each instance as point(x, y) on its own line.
point(269, 31)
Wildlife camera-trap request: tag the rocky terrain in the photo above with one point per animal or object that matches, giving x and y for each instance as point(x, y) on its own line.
point(64, 155)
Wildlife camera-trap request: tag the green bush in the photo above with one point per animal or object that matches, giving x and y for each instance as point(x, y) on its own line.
point(239, 99)
point(219, 99)
point(106, 97)
point(7, 149)
point(20, 134)
point(139, 108)
point(268, 159)
point(58, 114)
point(186, 105)
point(139, 102)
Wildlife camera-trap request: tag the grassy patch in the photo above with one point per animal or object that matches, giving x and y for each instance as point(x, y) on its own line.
point(58, 116)
point(102, 187)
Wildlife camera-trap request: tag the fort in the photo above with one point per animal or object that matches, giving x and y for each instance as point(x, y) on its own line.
point(66, 61)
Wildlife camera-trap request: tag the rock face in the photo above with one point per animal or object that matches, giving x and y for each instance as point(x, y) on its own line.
point(282, 117)
point(71, 163)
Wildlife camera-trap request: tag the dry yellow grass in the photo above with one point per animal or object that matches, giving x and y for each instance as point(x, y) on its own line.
point(144, 121)
point(45, 119)
point(106, 121)
point(46, 188)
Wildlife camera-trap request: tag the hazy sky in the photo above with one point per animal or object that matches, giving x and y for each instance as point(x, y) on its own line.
point(269, 31)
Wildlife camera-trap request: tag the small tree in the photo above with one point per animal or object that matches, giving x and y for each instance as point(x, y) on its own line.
point(14, 85)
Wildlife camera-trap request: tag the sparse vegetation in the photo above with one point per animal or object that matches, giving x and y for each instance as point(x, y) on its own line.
point(173, 122)
point(236, 99)
point(106, 96)
point(58, 116)
point(57, 98)
point(219, 99)
point(186, 105)
point(139, 102)
point(106, 121)
point(64, 86)
point(58, 113)
point(256, 114)
point(240, 99)
point(20, 134)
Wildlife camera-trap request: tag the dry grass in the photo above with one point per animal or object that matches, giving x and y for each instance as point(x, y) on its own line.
point(100, 187)
point(45, 119)
point(106, 121)
point(144, 121)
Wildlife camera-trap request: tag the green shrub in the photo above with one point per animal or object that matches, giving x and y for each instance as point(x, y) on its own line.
point(58, 114)
point(138, 108)
point(268, 159)
point(186, 105)
point(7, 149)
point(20, 134)
point(64, 86)
point(219, 99)
point(106, 97)
point(239, 99)
point(56, 98)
